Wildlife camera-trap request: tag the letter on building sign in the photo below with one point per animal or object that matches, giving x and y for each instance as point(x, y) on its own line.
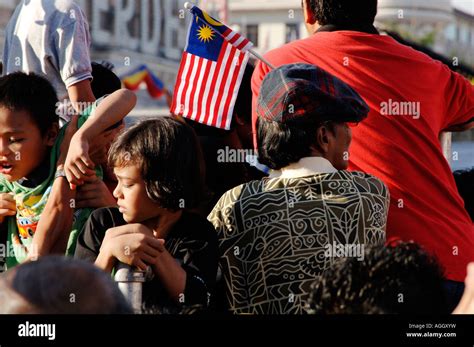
point(153, 28)
point(150, 36)
point(123, 15)
point(174, 26)
point(101, 37)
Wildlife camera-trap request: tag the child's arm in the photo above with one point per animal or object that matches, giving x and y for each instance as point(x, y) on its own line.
point(171, 274)
point(109, 112)
point(80, 92)
point(53, 229)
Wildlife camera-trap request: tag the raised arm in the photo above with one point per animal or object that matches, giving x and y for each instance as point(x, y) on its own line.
point(108, 113)
point(79, 93)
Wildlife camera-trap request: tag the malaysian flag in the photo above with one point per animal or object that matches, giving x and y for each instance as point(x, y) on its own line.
point(211, 71)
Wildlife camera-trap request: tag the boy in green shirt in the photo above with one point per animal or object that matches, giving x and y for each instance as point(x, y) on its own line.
point(36, 200)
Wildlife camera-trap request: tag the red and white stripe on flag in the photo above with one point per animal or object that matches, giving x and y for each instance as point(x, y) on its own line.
point(237, 40)
point(206, 90)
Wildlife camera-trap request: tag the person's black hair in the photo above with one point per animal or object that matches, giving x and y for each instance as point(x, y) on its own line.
point(104, 80)
point(402, 278)
point(31, 93)
point(243, 103)
point(242, 108)
point(465, 184)
point(61, 285)
point(280, 145)
point(168, 155)
point(344, 13)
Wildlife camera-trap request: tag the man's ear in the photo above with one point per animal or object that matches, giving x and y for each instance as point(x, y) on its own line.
point(52, 134)
point(308, 13)
point(322, 139)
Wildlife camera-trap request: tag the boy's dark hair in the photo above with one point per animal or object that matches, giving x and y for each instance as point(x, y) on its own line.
point(104, 80)
point(394, 279)
point(45, 287)
point(169, 157)
point(33, 94)
point(465, 184)
point(279, 144)
point(344, 12)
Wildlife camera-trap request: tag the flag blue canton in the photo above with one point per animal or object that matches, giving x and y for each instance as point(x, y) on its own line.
point(203, 41)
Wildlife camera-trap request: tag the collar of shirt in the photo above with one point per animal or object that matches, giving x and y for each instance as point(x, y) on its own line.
point(368, 29)
point(304, 167)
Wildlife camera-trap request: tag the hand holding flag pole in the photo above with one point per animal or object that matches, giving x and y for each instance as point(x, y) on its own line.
point(190, 7)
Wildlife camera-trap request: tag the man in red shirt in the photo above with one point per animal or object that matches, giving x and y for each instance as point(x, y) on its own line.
point(412, 98)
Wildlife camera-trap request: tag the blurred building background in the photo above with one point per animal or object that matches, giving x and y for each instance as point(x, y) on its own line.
point(153, 32)
point(129, 34)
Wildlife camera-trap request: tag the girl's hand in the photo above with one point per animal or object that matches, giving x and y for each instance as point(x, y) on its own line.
point(132, 244)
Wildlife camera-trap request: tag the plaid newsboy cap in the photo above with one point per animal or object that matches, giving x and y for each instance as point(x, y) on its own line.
point(304, 92)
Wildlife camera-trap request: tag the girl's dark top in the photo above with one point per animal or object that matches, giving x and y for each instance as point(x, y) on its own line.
point(192, 241)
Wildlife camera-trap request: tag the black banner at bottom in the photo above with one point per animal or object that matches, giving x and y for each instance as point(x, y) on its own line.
point(37, 330)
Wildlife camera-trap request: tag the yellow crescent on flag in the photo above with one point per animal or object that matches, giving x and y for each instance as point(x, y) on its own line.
point(210, 20)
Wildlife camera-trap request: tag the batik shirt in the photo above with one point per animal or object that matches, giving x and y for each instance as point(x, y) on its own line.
point(277, 235)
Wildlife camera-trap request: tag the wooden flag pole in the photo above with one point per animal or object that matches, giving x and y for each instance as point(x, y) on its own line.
point(189, 6)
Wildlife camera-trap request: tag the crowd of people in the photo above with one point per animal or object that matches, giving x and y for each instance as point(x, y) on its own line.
point(350, 208)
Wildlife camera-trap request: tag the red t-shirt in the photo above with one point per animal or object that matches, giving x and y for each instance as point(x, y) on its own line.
point(400, 146)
